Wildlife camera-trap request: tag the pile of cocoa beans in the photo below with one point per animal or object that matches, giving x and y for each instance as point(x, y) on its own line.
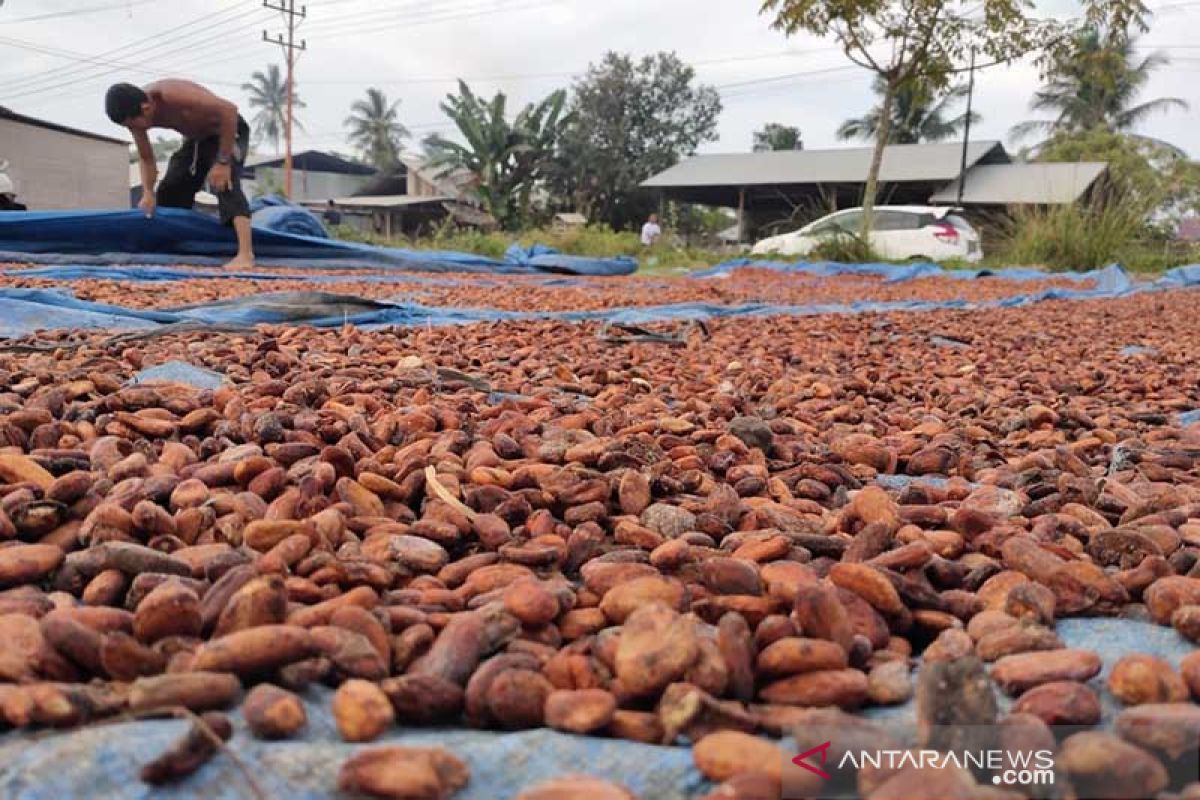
point(693, 545)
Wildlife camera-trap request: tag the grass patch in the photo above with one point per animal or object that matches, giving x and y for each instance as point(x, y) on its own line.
point(595, 241)
point(1076, 237)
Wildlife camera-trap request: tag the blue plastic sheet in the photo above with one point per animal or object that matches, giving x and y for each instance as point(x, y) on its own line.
point(899, 273)
point(24, 310)
point(289, 219)
point(106, 759)
point(128, 237)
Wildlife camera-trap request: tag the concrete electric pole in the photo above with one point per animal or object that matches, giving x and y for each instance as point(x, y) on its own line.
point(290, 47)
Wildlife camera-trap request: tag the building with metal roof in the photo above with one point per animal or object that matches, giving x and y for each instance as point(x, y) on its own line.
point(1023, 184)
point(57, 167)
point(804, 184)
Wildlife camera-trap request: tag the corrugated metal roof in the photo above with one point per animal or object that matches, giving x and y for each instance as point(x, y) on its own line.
point(389, 201)
point(903, 162)
point(1033, 184)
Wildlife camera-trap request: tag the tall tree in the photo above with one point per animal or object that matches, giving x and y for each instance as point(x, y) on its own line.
point(918, 115)
point(929, 41)
point(632, 119)
point(774, 136)
point(1096, 85)
point(376, 131)
point(508, 159)
point(268, 94)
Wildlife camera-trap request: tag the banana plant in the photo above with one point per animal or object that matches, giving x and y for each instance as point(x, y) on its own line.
point(508, 159)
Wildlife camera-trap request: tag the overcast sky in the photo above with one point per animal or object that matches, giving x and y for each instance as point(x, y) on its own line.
point(57, 64)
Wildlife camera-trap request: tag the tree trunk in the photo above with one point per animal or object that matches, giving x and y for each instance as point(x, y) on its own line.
point(881, 139)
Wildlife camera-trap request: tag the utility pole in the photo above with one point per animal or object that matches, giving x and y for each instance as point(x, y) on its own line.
point(288, 9)
point(962, 172)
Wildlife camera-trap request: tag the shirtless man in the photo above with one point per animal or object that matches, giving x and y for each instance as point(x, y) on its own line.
point(215, 141)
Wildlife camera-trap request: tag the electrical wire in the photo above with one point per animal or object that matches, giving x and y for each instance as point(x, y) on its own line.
point(211, 21)
point(79, 12)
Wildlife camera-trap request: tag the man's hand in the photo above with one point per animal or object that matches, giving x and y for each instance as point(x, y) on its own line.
point(220, 178)
point(147, 204)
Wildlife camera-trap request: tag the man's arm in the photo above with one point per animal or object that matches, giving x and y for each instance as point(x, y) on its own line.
point(146, 164)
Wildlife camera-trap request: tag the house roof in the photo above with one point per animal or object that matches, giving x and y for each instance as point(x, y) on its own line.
point(389, 201)
point(1032, 184)
point(1189, 229)
point(571, 218)
point(901, 163)
point(6, 113)
point(315, 161)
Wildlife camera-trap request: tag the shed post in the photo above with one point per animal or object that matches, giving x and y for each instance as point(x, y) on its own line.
point(741, 215)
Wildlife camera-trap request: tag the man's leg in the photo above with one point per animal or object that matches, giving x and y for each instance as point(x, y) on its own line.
point(245, 254)
point(234, 208)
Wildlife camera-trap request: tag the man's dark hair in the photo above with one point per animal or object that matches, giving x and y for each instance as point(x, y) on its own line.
point(124, 102)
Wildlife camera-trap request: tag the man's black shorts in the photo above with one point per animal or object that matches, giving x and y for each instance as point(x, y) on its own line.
point(188, 170)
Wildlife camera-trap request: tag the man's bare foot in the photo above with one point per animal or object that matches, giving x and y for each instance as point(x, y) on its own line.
point(240, 263)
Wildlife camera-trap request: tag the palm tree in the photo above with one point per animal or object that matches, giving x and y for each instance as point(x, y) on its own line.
point(268, 94)
point(918, 115)
point(1096, 87)
point(375, 129)
point(507, 159)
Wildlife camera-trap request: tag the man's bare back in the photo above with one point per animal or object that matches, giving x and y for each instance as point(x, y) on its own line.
point(187, 108)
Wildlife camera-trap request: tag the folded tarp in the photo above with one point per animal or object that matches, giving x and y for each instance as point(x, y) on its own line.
point(128, 237)
point(23, 311)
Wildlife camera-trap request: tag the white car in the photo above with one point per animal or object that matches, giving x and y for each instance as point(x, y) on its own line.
point(897, 233)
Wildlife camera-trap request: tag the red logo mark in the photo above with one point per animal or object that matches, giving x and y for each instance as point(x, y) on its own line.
point(823, 749)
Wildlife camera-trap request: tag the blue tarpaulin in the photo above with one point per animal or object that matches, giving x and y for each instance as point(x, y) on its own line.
point(106, 759)
point(128, 237)
point(23, 311)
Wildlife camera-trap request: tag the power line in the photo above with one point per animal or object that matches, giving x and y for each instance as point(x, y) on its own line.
point(78, 12)
point(212, 22)
point(375, 26)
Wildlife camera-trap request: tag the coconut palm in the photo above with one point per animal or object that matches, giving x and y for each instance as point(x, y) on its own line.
point(1096, 87)
point(918, 115)
point(268, 94)
point(375, 129)
point(507, 158)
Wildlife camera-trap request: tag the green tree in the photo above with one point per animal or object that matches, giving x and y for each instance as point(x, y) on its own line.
point(918, 115)
point(902, 41)
point(631, 120)
point(774, 136)
point(1152, 176)
point(268, 94)
point(508, 159)
point(376, 131)
point(1096, 85)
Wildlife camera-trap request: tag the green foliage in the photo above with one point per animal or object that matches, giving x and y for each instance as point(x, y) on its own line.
point(918, 115)
point(1095, 85)
point(845, 248)
point(508, 159)
point(376, 131)
point(1075, 236)
point(929, 41)
point(774, 136)
point(1142, 172)
point(268, 94)
point(630, 120)
point(597, 241)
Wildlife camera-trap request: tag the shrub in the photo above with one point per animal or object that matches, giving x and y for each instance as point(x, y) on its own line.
point(1075, 236)
point(845, 248)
